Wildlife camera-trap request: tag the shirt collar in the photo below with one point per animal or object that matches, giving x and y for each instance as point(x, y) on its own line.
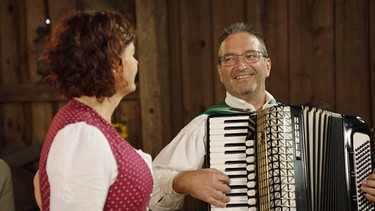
point(235, 102)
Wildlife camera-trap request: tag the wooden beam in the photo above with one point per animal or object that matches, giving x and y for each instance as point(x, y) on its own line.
point(37, 92)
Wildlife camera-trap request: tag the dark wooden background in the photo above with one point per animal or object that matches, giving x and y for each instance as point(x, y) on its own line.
point(320, 49)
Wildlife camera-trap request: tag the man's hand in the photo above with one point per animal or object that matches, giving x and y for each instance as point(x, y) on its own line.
point(209, 185)
point(368, 186)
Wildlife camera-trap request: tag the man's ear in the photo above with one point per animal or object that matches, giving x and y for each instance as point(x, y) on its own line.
point(218, 68)
point(268, 66)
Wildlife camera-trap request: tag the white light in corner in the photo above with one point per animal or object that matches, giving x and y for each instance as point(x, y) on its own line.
point(48, 21)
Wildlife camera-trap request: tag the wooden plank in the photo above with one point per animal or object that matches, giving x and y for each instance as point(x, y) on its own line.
point(13, 123)
point(224, 13)
point(9, 42)
point(153, 73)
point(323, 47)
point(352, 58)
point(270, 18)
point(28, 92)
point(28, 115)
point(41, 113)
point(23, 65)
point(129, 112)
point(300, 48)
point(175, 69)
point(35, 20)
point(38, 92)
point(196, 48)
point(2, 17)
point(41, 119)
point(312, 43)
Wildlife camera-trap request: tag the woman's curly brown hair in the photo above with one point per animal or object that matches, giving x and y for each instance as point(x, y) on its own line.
point(83, 50)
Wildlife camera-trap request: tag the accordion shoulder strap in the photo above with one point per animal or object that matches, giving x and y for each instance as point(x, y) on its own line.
point(220, 108)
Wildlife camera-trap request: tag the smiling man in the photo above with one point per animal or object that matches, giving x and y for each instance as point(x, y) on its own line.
point(244, 66)
point(178, 169)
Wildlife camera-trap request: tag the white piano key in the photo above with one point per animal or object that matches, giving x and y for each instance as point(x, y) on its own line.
point(235, 173)
point(238, 199)
point(235, 156)
point(232, 165)
point(230, 139)
point(231, 131)
point(239, 190)
point(238, 181)
point(228, 148)
point(226, 125)
point(222, 160)
point(226, 118)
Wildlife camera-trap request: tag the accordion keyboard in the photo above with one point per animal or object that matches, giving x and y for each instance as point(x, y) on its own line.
point(232, 152)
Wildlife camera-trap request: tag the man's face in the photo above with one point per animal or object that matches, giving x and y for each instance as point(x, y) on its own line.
point(243, 78)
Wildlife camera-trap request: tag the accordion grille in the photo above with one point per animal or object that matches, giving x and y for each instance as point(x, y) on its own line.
point(276, 161)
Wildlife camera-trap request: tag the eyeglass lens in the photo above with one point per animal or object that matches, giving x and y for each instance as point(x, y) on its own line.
point(249, 56)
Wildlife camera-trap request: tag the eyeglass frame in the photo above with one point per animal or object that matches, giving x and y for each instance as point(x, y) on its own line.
point(259, 54)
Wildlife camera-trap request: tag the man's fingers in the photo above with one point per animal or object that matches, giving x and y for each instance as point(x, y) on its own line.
point(219, 199)
point(370, 197)
point(223, 188)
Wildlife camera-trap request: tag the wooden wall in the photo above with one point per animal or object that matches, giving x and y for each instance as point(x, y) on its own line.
point(320, 50)
point(27, 103)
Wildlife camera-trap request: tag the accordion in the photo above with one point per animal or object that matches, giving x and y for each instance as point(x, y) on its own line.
point(291, 158)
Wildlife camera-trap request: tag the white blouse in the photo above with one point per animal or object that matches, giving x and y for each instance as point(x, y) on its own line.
point(81, 167)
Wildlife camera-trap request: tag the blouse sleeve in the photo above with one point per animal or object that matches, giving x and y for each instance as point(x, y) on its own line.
point(80, 167)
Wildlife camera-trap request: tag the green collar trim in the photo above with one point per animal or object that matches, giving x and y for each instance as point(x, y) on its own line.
point(223, 108)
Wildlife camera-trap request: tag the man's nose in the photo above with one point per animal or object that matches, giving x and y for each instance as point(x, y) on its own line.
point(241, 63)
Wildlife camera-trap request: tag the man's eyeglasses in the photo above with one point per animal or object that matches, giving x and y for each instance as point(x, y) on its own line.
point(249, 56)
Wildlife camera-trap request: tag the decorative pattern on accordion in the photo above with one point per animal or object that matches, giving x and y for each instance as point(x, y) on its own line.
point(276, 160)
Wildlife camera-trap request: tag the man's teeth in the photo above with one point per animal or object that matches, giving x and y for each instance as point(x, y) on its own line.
point(242, 76)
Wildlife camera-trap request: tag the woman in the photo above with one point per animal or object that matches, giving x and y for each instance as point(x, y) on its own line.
point(85, 164)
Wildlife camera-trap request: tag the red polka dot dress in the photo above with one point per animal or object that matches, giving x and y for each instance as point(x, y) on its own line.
point(133, 185)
